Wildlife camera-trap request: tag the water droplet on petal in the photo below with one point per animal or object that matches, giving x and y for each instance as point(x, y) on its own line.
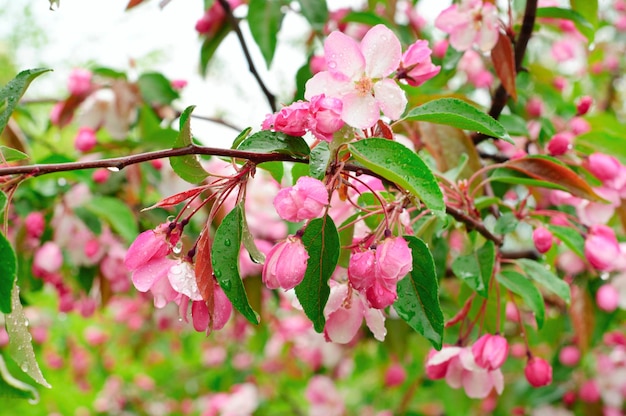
point(332, 64)
point(178, 248)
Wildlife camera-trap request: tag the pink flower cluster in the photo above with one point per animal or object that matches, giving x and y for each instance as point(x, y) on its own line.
point(469, 23)
point(320, 116)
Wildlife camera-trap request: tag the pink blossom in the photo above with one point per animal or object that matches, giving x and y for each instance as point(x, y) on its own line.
point(538, 372)
point(395, 375)
point(569, 355)
point(101, 175)
point(182, 277)
point(458, 367)
point(206, 320)
point(146, 258)
point(490, 351)
point(583, 105)
point(472, 64)
point(393, 259)
point(95, 336)
point(471, 22)
point(285, 264)
point(48, 258)
point(534, 107)
point(303, 201)
point(213, 18)
point(324, 398)
point(601, 247)
point(292, 120)
point(79, 81)
point(344, 314)
point(325, 117)
point(603, 167)
point(178, 84)
point(589, 392)
point(35, 224)
point(440, 48)
point(416, 66)
point(381, 294)
point(607, 297)
point(85, 139)
point(542, 237)
point(317, 64)
point(560, 143)
point(357, 75)
point(362, 269)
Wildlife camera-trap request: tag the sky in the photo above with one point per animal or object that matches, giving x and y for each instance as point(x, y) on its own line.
point(84, 32)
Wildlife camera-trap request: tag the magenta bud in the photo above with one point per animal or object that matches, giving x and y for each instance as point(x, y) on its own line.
point(538, 372)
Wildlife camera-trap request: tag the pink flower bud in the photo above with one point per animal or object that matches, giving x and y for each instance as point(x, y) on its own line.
point(101, 175)
point(79, 81)
point(95, 336)
point(583, 105)
point(285, 264)
point(85, 139)
point(607, 298)
point(222, 310)
point(601, 247)
point(48, 258)
point(381, 295)
point(35, 224)
point(569, 355)
point(579, 125)
point(416, 66)
point(147, 246)
point(437, 362)
point(538, 372)
point(440, 48)
point(178, 84)
point(395, 375)
point(490, 351)
point(303, 201)
point(589, 392)
point(559, 83)
point(511, 312)
point(157, 164)
point(569, 398)
point(560, 143)
point(293, 119)
point(542, 237)
point(393, 259)
point(534, 107)
point(603, 167)
point(362, 269)
point(325, 118)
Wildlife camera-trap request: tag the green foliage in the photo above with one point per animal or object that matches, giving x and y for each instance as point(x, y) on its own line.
point(418, 295)
point(318, 161)
point(11, 93)
point(8, 271)
point(266, 141)
point(520, 285)
point(187, 167)
point(321, 241)
point(476, 268)
point(117, 214)
point(265, 18)
point(225, 260)
point(546, 278)
point(156, 90)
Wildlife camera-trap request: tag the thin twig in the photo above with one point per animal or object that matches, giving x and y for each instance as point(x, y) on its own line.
point(474, 224)
point(235, 24)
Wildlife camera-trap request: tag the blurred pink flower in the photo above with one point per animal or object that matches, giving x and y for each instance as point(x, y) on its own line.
point(357, 75)
point(303, 201)
point(79, 81)
point(538, 372)
point(416, 66)
point(323, 397)
point(601, 247)
point(542, 237)
point(490, 351)
point(472, 22)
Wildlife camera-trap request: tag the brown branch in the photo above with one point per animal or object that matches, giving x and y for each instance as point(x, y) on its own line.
point(235, 24)
point(473, 224)
point(500, 96)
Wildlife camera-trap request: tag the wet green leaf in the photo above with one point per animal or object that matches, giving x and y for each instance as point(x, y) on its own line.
point(522, 286)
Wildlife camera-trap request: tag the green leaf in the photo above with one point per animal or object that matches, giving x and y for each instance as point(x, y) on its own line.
point(266, 141)
point(297, 171)
point(514, 124)
point(265, 18)
point(12, 92)
point(187, 167)
point(346, 237)
point(12, 388)
point(518, 178)
point(604, 142)
point(247, 238)
point(318, 161)
point(588, 9)
point(315, 11)
point(540, 274)
point(476, 268)
point(570, 237)
point(583, 25)
point(11, 155)
point(506, 223)
point(210, 45)
point(20, 340)
point(398, 164)
point(519, 284)
point(241, 137)
point(225, 261)
point(8, 271)
point(155, 89)
point(367, 18)
point(117, 214)
point(3, 202)
point(418, 295)
point(368, 200)
point(276, 169)
point(459, 114)
point(321, 241)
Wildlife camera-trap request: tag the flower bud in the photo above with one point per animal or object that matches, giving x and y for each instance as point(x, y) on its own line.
point(601, 247)
point(393, 259)
point(607, 298)
point(325, 117)
point(303, 201)
point(416, 66)
point(560, 143)
point(379, 295)
point(285, 264)
point(589, 392)
point(48, 258)
point(362, 269)
point(603, 167)
point(569, 355)
point(79, 81)
point(395, 375)
point(583, 105)
point(85, 139)
point(490, 351)
point(534, 107)
point(542, 237)
point(35, 223)
point(538, 372)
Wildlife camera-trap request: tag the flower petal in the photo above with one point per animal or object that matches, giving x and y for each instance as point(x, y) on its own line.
point(145, 276)
point(390, 97)
point(477, 384)
point(360, 112)
point(382, 51)
point(375, 321)
point(343, 55)
point(328, 84)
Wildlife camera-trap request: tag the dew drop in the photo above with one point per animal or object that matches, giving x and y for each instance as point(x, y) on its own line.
point(227, 242)
point(226, 285)
point(217, 273)
point(332, 64)
point(178, 248)
point(113, 169)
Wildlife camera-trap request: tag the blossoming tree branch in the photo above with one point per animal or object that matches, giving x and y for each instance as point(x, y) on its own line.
point(462, 176)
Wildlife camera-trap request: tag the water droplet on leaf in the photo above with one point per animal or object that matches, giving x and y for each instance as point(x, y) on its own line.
point(227, 242)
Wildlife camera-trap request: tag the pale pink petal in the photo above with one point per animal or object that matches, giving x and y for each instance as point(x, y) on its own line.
point(343, 324)
point(467, 360)
point(463, 37)
point(489, 31)
point(360, 112)
point(145, 276)
point(477, 384)
point(337, 295)
point(444, 355)
point(498, 380)
point(163, 292)
point(375, 321)
point(328, 84)
point(343, 55)
point(390, 97)
point(382, 51)
point(200, 315)
point(454, 374)
point(222, 309)
point(450, 18)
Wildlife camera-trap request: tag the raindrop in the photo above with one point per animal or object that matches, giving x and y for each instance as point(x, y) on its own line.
point(225, 285)
point(178, 248)
point(24, 367)
point(113, 169)
point(332, 64)
point(227, 242)
point(217, 273)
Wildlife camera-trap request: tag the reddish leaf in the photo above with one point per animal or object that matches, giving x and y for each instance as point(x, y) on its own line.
point(546, 170)
point(503, 60)
point(133, 3)
point(176, 199)
point(69, 107)
point(204, 274)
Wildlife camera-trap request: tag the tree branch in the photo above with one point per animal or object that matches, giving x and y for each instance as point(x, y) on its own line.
point(473, 224)
point(235, 24)
point(500, 96)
